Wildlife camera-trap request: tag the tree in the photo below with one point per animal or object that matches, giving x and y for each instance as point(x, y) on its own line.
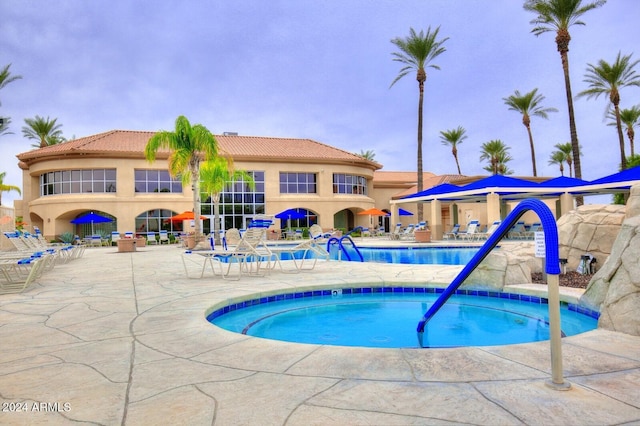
point(416, 52)
point(215, 174)
point(453, 138)
point(189, 145)
point(367, 155)
point(45, 131)
point(495, 151)
point(6, 78)
point(621, 198)
point(567, 152)
point(529, 105)
point(630, 117)
point(557, 157)
point(607, 79)
point(5, 187)
point(557, 16)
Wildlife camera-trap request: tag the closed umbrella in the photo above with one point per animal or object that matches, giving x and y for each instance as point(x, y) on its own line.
point(91, 218)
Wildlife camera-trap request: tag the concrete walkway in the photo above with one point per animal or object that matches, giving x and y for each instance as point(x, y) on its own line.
point(121, 338)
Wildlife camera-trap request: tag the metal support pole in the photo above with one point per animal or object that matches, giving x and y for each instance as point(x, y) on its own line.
point(557, 380)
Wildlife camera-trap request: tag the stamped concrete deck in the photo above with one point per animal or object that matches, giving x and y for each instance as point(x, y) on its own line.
point(121, 338)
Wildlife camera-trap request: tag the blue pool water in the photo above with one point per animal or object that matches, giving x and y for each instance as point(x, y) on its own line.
point(387, 317)
point(407, 255)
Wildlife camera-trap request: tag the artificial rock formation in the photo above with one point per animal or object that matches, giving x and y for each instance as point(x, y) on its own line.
point(506, 267)
point(589, 229)
point(615, 288)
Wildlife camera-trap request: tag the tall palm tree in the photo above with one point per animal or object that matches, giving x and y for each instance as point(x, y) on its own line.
point(630, 117)
point(215, 174)
point(4, 126)
point(529, 105)
point(45, 131)
point(607, 79)
point(189, 145)
point(567, 151)
point(453, 138)
point(495, 151)
point(5, 187)
point(6, 77)
point(557, 16)
point(416, 52)
point(558, 157)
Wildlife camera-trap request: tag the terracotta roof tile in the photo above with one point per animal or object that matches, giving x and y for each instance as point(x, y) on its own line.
point(132, 143)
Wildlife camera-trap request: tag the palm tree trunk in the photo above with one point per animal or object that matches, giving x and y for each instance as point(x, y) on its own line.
point(195, 184)
point(631, 135)
point(216, 218)
point(623, 158)
point(420, 209)
point(577, 167)
point(533, 150)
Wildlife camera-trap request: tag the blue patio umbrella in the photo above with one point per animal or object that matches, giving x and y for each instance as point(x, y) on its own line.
point(91, 218)
point(290, 214)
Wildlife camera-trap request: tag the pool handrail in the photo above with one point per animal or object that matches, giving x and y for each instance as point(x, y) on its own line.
point(335, 240)
point(552, 267)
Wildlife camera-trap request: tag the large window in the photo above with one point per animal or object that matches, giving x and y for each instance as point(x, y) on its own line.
point(78, 181)
point(297, 183)
point(238, 203)
point(156, 220)
point(156, 181)
point(349, 184)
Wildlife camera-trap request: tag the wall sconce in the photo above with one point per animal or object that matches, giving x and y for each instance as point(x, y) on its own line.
point(48, 220)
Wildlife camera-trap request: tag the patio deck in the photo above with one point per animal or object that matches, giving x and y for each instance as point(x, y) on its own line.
point(121, 338)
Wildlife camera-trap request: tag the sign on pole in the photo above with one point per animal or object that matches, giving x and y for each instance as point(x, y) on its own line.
point(539, 244)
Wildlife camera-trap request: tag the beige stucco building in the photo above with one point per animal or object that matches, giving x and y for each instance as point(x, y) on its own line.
point(108, 173)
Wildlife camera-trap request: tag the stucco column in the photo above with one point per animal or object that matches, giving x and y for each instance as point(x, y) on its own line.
point(436, 220)
point(394, 218)
point(493, 208)
point(566, 204)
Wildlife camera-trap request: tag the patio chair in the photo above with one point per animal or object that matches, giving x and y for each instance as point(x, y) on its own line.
point(486, 234)
point(164, 237)
point(306, 250)
point(408, 233)
point(517, 231)
point(453, 233)
point(17, 274)
point(115, 236)
point(470, 233)
point(151, 238)
point(395, 234)
point(531, 232)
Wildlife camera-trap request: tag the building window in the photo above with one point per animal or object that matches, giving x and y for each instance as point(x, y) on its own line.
point(78, 181)
point(156, 181)
point(238, 203)
point(297, 183)
point(157, 220)
point(349, 184)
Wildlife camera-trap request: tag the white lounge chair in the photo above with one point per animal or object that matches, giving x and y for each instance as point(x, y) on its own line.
point(408, 233)
point(395, 234)
point(486, 234)
point(453, 233)
point(470, 233)
point(164, 237)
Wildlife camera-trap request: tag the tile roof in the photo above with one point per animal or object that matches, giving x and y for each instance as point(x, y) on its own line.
point(124, 143)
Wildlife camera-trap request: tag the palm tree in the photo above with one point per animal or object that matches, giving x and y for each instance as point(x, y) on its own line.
point(189, 145)
point(567, 151)
point(367, 155)
point(557, 16)
point(215, 174)
point(6, 188)
point(45, 131)
point(415, 52)
point(607, 79)
point(454, 137)
point(6, 77)
point(630, 117)
point(4, 126)
point(558, 157)
point(528, 105)
point(495, 151)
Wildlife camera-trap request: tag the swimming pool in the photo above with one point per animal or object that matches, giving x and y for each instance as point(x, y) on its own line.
point(405, 255)
point(386, 317)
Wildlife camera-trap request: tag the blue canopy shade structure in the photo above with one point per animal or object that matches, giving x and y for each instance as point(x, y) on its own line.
point(623, 178)
point(403, 212)
point(498, 181)
point(443, 188)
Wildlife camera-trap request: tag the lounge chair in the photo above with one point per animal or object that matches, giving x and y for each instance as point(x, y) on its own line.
point(164, 237)
point(517, 231)
point(486, 234)
point(395, 234)
point(408, 233)
point(453, 233)
point(531, 232)
point(313, 247)
point(470, 233)
point(151, 238)
point(17, 274)
point(115, 236)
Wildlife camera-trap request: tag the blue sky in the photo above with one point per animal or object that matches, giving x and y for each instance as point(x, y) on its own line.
point(308, 69)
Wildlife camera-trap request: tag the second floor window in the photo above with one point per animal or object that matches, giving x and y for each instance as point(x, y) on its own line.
point(298, 183)
point(349, 184)
point(156, 181)
point(78, 181)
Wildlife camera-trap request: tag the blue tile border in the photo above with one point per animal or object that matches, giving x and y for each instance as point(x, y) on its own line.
point(386, 289)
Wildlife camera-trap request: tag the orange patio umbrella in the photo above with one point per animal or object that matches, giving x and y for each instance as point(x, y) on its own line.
point(185, 216)
point(373, 212)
